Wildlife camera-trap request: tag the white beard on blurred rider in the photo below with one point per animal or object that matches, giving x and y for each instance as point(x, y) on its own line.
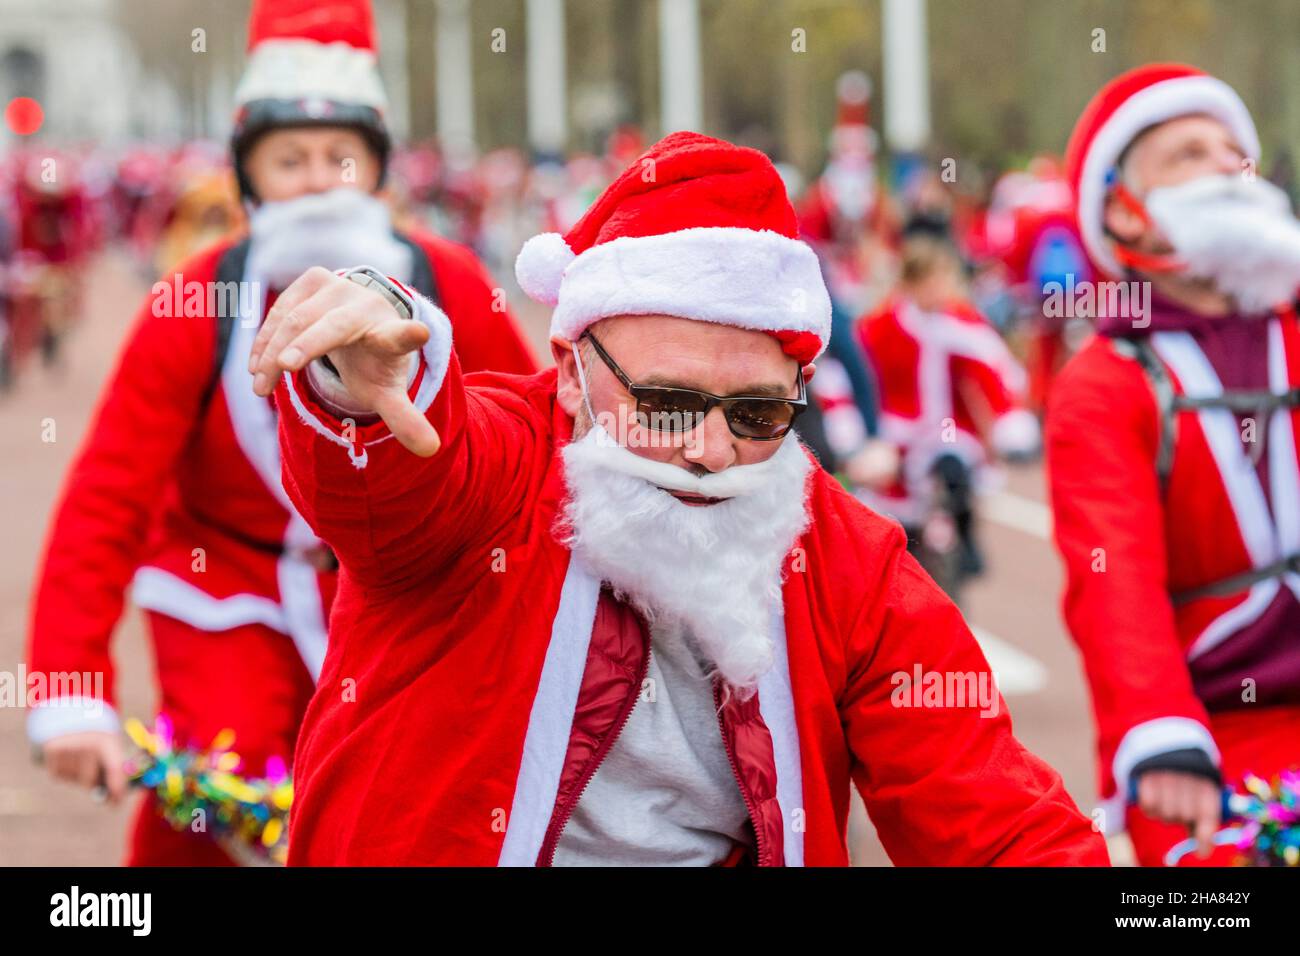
point(337, 229)
point(714, 570)
point(1238, 232)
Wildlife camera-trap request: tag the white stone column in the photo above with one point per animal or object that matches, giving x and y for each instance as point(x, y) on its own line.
point(907, 75)
point(390, 22)
point(548, 122)
point(455, 77)
point(681, 101)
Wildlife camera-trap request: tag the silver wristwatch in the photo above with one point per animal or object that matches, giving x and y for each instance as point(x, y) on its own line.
point(372, 278)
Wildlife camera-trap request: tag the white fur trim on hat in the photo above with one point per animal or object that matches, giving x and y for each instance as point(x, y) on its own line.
point(305, 69)
point(540, 266)
point(1166, 100)
point(749, 278)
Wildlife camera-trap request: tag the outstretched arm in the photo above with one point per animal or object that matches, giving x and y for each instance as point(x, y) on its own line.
point(390, 458)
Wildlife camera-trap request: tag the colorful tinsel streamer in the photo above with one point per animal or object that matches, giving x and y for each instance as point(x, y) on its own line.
point(248, 816)
point(1265, 823)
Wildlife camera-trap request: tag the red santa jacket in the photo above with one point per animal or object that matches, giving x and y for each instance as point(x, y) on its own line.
point(948, 385)
point(474, 680)
point(56, 227)
point(1158, 651)
point(177, 485)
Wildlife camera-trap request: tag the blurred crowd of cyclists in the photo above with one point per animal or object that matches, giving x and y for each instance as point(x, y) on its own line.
point(942, 352)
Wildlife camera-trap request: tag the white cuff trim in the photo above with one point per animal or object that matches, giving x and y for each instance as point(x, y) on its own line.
point(70, 715)
point(1157, 737)
point(1016, 433)
point(436, 354)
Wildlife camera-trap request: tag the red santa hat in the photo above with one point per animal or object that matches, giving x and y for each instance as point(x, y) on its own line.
point(310, 63)
point(1124, 108)
point(852, 131)
point(696, 228)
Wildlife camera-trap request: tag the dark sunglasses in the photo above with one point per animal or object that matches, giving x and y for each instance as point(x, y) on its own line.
point(678, 410)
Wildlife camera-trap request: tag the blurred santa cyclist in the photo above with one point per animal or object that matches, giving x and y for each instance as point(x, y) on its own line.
point(1032, 233)
point(54, 237)
point(951, 401)
point(177, 490)
point(1171, 445)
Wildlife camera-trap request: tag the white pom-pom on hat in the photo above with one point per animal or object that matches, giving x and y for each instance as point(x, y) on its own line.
point(540, 266)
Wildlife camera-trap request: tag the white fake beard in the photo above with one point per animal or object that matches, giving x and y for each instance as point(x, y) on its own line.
point(336, 229)
point(714, 570)
point(1238, 232)
point(852, 188)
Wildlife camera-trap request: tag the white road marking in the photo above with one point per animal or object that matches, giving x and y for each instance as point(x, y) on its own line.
point(1017, 673)
point(1018, 513)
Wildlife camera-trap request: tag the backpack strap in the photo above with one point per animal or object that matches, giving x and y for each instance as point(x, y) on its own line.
point(1236, 583)
point(230, 268)
point(1243, 402)
point(1167, 402)
point(422, 279)
point(1260, 402)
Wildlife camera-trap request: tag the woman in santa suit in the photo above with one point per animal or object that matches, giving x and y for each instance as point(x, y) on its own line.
point(176, 494)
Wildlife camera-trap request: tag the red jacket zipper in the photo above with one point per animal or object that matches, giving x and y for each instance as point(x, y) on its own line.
point(546, 856)
point(729, 745)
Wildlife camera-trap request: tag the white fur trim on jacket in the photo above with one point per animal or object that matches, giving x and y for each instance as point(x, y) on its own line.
point(1166, 100)
point(546, 741)
point(1265, 541)
point(70, 715)
point(436, 354)
point(752, 279)
point(305, 69)
point(1016, 432)
point(298, 614)
point(154, 589)
point(1155, 737)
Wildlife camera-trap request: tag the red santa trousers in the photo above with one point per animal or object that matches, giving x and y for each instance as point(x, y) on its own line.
point(249, 679)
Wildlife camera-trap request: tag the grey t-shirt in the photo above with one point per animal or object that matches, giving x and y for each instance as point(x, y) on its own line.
point(664, 794)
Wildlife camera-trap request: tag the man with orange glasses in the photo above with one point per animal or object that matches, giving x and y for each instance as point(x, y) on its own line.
point(1171, 447)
